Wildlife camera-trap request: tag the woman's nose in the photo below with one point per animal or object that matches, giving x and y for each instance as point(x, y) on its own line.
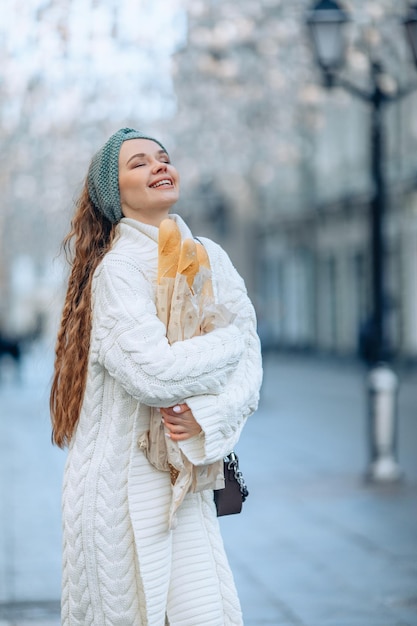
point(159, 166)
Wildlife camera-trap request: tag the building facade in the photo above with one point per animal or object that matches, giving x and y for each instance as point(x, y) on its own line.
point(281, 174)
point(273, 167)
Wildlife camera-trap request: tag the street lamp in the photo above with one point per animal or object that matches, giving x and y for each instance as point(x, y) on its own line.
point(326, 22)
point(410, 24)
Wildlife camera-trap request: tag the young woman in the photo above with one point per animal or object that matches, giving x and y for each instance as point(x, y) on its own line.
point(122, 564)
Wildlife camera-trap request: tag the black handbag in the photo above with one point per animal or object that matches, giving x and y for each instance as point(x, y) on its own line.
point(229, 500)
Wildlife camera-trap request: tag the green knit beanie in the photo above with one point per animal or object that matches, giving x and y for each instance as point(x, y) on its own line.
point(103, 174)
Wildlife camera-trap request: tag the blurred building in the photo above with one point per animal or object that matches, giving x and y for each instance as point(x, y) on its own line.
point(272, 166)
point(71, 73)
point(278, 169)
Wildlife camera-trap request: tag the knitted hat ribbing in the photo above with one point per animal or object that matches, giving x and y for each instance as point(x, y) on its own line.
point(103, 173)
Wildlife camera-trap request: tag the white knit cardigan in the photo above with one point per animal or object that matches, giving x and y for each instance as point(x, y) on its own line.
point(121, 564)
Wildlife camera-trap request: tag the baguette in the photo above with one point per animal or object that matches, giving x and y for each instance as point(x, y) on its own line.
point(169, 247)
point(202, 256)
point(188, 264)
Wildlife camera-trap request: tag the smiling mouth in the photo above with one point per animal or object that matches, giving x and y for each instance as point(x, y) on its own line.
point(162, 183)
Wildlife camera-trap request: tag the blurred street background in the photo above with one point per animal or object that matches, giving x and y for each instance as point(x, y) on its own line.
point(293, 125)
point(315, 544)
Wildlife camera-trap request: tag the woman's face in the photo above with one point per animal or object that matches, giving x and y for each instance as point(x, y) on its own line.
point(148, 183)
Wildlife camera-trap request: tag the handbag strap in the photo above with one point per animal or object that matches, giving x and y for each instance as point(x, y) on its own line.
point(232, 463)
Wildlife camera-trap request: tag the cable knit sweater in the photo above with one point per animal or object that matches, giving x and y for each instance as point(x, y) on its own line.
point(122, 566)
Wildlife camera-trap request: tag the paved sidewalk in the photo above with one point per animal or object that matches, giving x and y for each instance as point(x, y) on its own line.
point(315, 545)
point(30, 487)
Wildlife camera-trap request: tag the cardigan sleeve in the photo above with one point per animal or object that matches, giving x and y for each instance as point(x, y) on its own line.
point(129, 341)
point(223, 416)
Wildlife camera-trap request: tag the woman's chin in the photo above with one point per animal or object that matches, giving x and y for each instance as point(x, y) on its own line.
point(153, 215)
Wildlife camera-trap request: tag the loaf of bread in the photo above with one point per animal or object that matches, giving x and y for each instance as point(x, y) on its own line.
point(188, 264)
point(169, 247)
point(202, 256)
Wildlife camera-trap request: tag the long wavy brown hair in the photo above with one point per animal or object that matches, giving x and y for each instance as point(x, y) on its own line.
point(89, 239)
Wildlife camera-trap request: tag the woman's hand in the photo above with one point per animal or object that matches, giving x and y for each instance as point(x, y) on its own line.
point(180, 422)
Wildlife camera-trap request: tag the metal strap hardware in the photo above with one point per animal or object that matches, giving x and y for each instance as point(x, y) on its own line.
point(232, 463)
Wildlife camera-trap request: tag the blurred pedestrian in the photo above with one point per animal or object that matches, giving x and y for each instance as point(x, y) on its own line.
point(122, 564)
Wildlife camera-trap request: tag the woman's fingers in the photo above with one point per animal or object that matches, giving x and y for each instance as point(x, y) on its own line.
point(173, 417)
point(178, 409)
point(176, 428)
point(180, 422)
point(183, 437)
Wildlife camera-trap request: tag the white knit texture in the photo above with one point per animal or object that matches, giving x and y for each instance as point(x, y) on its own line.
point(121, 564)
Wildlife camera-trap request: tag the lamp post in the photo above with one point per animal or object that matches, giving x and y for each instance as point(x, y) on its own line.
point(326, 22)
